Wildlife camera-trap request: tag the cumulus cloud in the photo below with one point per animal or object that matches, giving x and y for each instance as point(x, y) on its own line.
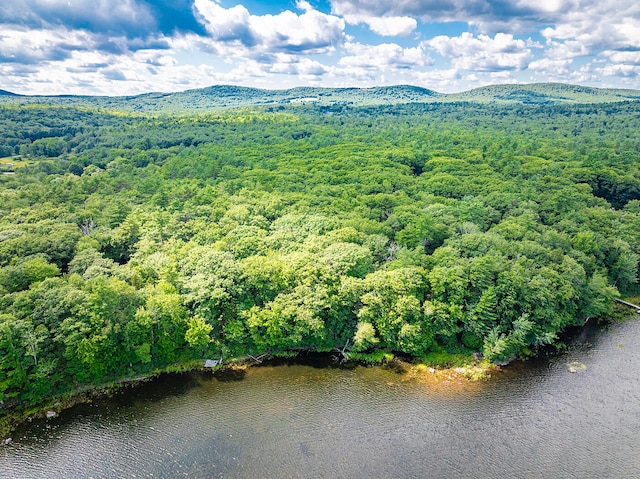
point(411, 8)
point(572, 28)
point(51, 30)
point(384, 57)
point(492, 16)
point(483, 53)
point(132, 46)
point(19, 45)
point(385, 26)
point(626, 71)
point(628, 58)
point(129, 18)
point(99, 46)
point(596, 32)
point(113, 74)
point(551, 68)
point(311, 32)
point(620, 64)
point(443, 80)
point(489, 15)
point(107, 74)
point(284, 64)
point(392, 26)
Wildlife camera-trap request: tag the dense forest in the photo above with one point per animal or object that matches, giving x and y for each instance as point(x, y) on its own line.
point(132, 242)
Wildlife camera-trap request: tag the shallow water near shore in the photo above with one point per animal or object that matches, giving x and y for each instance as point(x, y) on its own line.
point(574, 415)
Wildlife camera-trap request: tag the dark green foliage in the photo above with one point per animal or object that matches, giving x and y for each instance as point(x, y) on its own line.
point(130, 243)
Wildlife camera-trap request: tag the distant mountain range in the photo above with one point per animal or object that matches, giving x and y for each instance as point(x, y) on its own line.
point(226, 96)
point(545, 93)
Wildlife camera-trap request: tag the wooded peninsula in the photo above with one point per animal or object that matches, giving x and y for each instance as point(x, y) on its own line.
point(139, 234)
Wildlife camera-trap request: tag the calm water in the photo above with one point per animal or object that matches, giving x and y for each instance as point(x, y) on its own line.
point(533, 420)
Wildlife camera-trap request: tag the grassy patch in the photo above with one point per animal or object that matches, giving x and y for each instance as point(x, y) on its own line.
point(468, 372)
point(635, 299)
point(378, 356)
point(444, 359)
point(9, 163)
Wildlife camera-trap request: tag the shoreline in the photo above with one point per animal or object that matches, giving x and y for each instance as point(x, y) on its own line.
point(80, 395)
point(411, 371)
point(440, 370)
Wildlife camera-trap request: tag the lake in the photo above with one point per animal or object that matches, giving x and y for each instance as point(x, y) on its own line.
point(575, 415)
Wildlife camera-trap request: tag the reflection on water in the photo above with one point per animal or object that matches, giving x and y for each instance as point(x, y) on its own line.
point(547, 418)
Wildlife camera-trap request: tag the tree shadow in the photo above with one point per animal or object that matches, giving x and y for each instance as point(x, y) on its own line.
point(230, 375)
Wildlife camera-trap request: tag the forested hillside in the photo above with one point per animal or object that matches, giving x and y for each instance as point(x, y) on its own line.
point(129, 242)
point(228, 97)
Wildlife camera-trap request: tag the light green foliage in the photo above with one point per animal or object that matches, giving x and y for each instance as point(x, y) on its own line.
point(393, 300)
point(365, 337)
point(414, 339)
point(90, 263)
point(160, 322)
point(198, 334)
point(291, 320)
point(209, 280)
point(19, 277)
point(347, 259)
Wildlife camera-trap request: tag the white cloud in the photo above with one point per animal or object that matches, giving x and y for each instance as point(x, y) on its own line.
point(631, 57)
point(353, 76)
point(604, 25)
point(440, 80)
point(133, 46)
point(388, 26)
point(566, 50)
point(310, 32)
point(550, 68)
point(384, 57)
point(122, 17)
point(381, 8)
point(303, 5)
point(621, 70)
point(101, 73)
point(19, 45)
point(293, 65)
point(391, 26)
point(596, 24)
point(67, 62)
point(225, 24)
point(502, 77)
point(483, 53)
point(487, 15)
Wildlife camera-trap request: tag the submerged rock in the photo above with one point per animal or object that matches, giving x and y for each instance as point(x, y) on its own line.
point(575, 366)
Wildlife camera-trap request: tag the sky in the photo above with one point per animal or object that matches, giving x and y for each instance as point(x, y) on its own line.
point(126, 47)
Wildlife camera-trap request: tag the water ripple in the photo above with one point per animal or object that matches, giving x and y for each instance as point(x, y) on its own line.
point(536, 420)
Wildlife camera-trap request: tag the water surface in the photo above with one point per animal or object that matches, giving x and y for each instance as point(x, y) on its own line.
point(537, 419)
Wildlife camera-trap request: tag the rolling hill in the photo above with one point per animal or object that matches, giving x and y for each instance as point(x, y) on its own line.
point(227, 96)
point(541, 93)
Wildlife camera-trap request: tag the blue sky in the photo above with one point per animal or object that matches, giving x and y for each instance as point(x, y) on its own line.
point(117, 47)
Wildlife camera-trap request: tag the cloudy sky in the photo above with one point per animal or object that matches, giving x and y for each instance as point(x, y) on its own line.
point(117, 47)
